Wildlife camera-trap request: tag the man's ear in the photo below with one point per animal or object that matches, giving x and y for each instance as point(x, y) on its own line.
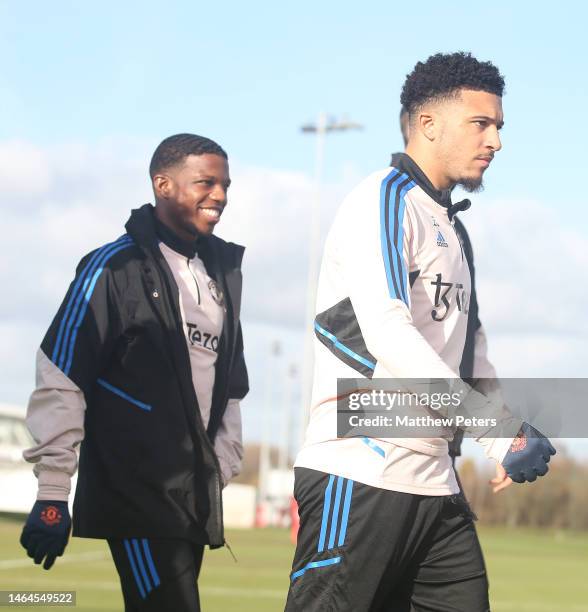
point(162, 186)
point(427, 123)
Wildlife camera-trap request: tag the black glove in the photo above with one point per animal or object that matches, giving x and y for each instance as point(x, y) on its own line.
point(528, 455)
point(46, 531)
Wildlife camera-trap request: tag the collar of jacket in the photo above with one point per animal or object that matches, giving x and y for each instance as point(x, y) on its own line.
point(174, 242)
point(406, 164)
point(147, 231)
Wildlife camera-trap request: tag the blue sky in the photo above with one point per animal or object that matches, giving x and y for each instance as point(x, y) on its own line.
point(248, 74)
point(88, 90)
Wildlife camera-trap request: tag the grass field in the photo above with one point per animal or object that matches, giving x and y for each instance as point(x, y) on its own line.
point(530, 571)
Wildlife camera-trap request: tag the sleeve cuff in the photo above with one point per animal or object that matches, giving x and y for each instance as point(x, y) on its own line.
point(227, 471)
point(498, 447)
point(53, 485)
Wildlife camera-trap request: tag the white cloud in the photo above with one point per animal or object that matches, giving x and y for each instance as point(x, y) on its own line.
point(269, 212)
point(24, 171)
point(64, 201)
point(530, 266)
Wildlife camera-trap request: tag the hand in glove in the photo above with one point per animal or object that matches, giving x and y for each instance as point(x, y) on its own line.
point(46, 531)
point(528, 455)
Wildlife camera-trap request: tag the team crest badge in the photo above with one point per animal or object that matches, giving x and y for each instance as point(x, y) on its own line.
point(519, 443)
point(216, 293)
point(51, 516)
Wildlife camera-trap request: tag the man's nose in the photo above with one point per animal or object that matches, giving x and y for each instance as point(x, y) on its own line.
point(219, 194)
point(493, 140)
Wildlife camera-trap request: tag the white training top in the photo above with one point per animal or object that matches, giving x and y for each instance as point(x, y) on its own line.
point(392, 302)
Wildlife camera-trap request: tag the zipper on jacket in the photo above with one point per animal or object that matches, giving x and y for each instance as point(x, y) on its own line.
point(217, 492)
point(195, 280)
point(204, 439)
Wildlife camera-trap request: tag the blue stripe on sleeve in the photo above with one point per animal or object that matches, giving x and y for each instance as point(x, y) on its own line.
point(122, 394)
point(59, 349)
point(345, 516)
point(398, 262)
point(335, 517)
point(326, 509)
point(392, 248)
point(87, 294)
point(134, 568)
point(141, 565)
point(150, 564)
point(343, 348)
point(387, 195)
point(378, 449)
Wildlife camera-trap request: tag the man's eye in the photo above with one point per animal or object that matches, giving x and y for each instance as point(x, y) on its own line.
point(480, 123)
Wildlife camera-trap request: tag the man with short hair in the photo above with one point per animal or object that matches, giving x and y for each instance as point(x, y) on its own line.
point(382, 526)
point(143, 365)
point(479, 370)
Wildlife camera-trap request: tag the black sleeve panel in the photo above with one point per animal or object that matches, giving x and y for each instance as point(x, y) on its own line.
point(338, 329)
point(87, 324)
point(238, 377)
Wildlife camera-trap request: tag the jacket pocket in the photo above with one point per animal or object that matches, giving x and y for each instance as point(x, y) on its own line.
point(125, 396)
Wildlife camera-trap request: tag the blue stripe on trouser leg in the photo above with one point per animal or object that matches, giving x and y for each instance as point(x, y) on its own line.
point(326, 510)
point(345, 515)
point(314, 565)
point(142, 569)
point(335, 518)
point(134, 568)
point(150, 563)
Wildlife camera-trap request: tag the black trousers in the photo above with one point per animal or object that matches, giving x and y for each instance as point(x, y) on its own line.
point(158, 574)
point(364, 549)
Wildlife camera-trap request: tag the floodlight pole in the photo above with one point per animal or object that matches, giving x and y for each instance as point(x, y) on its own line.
point(266, 425)
point(323, 126)
point(285, 433)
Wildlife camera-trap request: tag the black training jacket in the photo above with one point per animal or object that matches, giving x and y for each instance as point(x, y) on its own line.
point(146, 473)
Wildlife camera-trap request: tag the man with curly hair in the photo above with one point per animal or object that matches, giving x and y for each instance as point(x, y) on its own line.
point(382, 524)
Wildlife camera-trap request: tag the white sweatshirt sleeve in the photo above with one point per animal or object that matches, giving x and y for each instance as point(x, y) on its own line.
point(228, 443)
point(55, 418)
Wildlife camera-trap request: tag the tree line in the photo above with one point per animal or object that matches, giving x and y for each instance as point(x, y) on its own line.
point(560, 499)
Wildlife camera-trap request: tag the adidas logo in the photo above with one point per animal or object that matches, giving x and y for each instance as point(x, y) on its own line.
point(440, 240)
